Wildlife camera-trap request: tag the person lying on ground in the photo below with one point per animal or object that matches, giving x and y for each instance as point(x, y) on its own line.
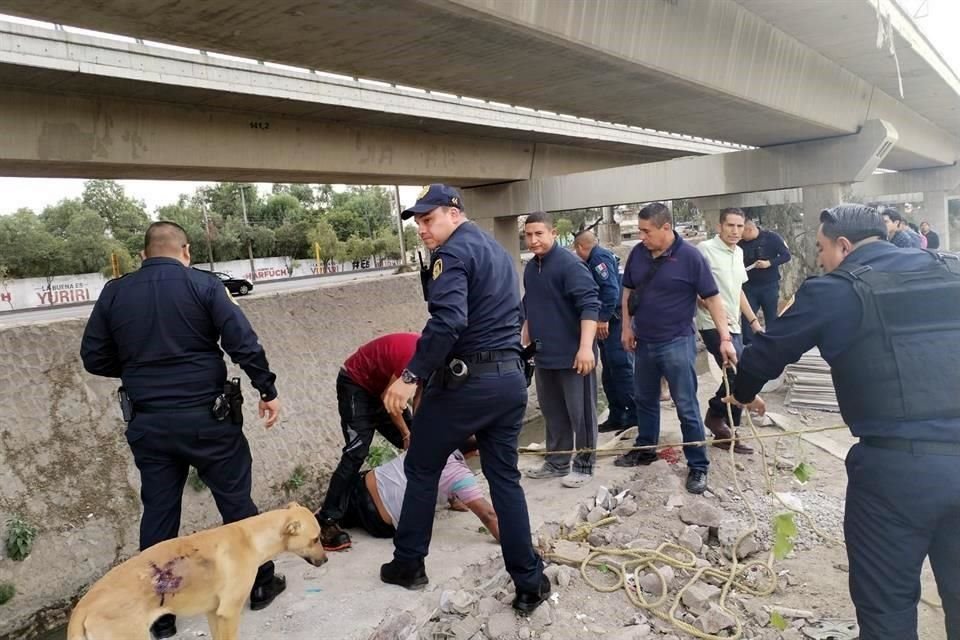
point(376, 496)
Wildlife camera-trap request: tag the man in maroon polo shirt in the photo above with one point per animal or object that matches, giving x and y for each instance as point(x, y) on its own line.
point(363, 379)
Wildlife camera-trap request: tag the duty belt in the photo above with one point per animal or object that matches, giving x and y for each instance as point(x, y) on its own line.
point(922, 447)
point(499, 355)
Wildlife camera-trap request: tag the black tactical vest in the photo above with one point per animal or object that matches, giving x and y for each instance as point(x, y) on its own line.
point(904, 362)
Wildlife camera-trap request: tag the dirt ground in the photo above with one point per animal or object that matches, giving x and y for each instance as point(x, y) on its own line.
point(469, 594)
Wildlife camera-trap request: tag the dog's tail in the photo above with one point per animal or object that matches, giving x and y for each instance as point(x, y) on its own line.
point(76, 630)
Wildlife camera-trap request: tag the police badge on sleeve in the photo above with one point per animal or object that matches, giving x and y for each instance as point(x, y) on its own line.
point(602, 271)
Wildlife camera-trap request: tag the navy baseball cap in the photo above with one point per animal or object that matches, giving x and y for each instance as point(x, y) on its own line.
point(433, 196)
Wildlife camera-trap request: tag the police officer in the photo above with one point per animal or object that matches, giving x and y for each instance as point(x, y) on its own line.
point(158, 330)
point(617, 375)
point(887, 320)
point(471, 277)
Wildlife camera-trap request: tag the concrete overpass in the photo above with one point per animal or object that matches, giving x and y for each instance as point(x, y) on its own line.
point(756, 72)
point(75, 105)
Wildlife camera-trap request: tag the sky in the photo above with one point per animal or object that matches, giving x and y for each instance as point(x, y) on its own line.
point(938, 19)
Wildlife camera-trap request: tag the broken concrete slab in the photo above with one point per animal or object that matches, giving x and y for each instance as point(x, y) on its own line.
point(502, 625)
point(698, 597)
point(701, 512)
point(715, 620)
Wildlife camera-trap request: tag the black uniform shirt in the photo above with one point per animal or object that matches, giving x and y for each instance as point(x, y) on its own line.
point(827, 314)
point(158, 330)
point(473, 299)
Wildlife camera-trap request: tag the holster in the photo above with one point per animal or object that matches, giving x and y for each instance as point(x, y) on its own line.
point(425, 277)
point(527, 355)
point(454, 375)
point(234, 397)
point(126, 405)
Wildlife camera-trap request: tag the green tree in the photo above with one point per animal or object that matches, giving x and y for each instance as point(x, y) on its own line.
point(292, 241)
point(345, 223)
point(126, 219)
point(279, 209)
point(358, 248)
point(28, 248)
point(372, 205)
point(564, 229)
point(323, 235)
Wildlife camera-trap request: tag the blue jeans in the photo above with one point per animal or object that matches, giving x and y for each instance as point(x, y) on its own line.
point(674, 360)
point(617, 377)
point(764, 298)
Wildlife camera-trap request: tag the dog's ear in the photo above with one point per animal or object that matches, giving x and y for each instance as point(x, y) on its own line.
point(293, 505)
point(292, 528)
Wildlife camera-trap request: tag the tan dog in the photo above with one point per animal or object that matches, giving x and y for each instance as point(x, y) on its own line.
point(208, 572)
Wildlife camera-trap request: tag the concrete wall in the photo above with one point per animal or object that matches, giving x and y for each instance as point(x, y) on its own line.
point(66, 468)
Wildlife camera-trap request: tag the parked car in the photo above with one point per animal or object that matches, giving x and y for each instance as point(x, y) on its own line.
point(236, 286)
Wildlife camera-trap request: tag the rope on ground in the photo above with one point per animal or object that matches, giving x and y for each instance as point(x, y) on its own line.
point(694, 443)
point(681, 558)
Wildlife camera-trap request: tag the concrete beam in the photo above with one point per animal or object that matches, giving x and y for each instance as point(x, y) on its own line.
point(913, 181)
point(833, 160)
point(901, 186)
point(50, 135)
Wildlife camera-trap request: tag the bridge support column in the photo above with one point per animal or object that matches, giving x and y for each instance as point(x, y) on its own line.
point(935, 211)
point(608, 231)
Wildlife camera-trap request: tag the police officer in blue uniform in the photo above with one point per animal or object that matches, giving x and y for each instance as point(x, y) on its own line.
point(474, 385)
point(887, 320)
point(617, 375)
point(157, 329)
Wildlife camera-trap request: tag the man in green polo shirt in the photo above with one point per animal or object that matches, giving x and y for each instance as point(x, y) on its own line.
point(726, 264)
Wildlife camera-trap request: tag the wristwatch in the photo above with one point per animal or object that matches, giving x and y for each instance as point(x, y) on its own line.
point(408, 377)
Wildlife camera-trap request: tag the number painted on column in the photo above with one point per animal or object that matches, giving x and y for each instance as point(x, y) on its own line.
point(259, 124)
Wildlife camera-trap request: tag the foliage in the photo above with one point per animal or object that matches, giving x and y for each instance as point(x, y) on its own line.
point(777, 621)
point(784, 531)
point(381, 452)
point(7, 591)
point(298, 478)
point(564, 230)
point(20, 537)
point(80, 235)
point(803, 472)
point(194, 480)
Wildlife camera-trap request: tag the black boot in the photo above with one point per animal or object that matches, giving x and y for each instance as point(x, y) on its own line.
point(527, 601)
point(636, 458)
point(263, 594)
point(164, 627)
point(403, 574)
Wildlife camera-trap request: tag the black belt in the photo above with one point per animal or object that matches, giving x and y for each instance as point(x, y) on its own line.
point(181, 408)
point(924, 447)
point(499, 355)
point(501, 366)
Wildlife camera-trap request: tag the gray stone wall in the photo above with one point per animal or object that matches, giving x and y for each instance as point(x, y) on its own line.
point(65, 466)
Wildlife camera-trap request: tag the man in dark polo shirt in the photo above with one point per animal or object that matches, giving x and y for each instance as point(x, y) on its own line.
point(363, 379)
point(663, 277)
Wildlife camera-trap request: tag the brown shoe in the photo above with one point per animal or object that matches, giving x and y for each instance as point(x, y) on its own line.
point(718, 427)
point(333, 538)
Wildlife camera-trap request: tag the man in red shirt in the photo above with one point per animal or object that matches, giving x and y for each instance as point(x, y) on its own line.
point(363, 379)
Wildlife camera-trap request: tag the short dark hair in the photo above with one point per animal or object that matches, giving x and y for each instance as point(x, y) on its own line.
point(731, 211)
point(539, 216)
point(469, 446)
point(892, 213)
point(855, 222)
point(164, 236)
point(656, 212)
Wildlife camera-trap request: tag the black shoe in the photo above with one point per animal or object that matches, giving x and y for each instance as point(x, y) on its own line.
point(606, 427)
point(697, 481)
point(164, 627)
point(263, 595)
point(333, 538)
point(527, 601)
point(408, 576)
point(636, 459)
